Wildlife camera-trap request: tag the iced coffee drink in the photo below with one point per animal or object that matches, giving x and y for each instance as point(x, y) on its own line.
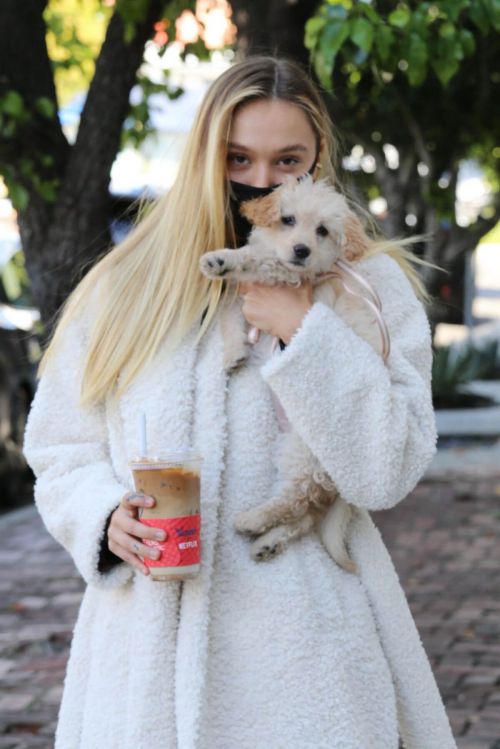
point(173, 479)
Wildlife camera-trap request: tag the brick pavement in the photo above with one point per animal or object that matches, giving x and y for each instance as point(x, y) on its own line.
point(40, 592)
point(444, 540)
point(445, 543)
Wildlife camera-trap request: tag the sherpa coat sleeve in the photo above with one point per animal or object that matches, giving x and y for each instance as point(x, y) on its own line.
point(371, 425)
point(76, 488)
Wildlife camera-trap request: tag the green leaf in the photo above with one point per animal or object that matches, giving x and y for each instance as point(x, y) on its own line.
point(132, 13)
point(417, 60)
point(19, 196)
point(445, 68)
point(332, 38)
point(359, 57)
point(11, 281)
point(479, 16)
point(46, 159)
point(399, 18)
point(48, 190)
point(26, 166)
point(495, 14)
point(492, 8)
point(362, 34)
point(447, 30)
point(468, 42)
point(12, 104)
point(128, 32)
point(336, 12)
point(453, 8)
point(313, 28)
point(384, 41)
point(369, 12)
point(45, 107)
point(9, 129)
point(323, 70)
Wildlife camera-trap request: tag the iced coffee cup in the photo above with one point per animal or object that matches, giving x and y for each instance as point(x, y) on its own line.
point(173, 479)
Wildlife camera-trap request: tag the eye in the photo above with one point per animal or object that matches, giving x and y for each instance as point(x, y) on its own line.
point(322, 231)
point(237, 159)
point(288, 220)
point(289, 161)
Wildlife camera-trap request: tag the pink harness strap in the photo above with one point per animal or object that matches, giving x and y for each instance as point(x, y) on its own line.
point(372, 300)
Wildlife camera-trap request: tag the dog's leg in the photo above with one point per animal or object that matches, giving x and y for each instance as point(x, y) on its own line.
point(300, 489)
point(250, 264)
point(274, 541)
point(291, 505)
point(332, 532)
point(219, 263)
point(260, 519)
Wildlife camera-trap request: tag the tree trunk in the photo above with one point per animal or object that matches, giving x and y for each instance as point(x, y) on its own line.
point(62, 240)
point(273, 27)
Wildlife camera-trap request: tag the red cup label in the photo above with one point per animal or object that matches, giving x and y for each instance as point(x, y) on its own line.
point(182, 545)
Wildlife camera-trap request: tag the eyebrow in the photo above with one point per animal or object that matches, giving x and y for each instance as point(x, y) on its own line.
point(293, 147)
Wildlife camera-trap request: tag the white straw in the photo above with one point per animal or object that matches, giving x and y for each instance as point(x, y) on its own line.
point(142, 435)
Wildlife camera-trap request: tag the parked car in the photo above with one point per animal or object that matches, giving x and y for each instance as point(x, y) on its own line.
point(20, 352)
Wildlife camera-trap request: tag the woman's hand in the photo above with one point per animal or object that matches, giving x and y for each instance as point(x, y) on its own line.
point(125, 532)
point(278, 310)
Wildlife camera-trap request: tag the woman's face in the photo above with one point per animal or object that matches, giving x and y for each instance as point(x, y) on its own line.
point(269, 139)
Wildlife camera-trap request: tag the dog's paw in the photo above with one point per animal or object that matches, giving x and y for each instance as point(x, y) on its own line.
point(267, 546)
point(250, 522)
point(235, 354)
point(231, 364)
point(216, 264)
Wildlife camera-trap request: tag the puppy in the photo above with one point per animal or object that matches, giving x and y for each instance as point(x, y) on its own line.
point(303, 230)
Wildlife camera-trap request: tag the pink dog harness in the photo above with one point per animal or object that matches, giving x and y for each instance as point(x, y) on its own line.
point(345, 273)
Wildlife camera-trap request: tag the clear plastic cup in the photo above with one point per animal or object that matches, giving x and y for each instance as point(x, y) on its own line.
point(173, 479)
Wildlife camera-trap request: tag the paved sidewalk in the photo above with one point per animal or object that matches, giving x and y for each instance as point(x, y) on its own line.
point(445, 543)
point(40, 592)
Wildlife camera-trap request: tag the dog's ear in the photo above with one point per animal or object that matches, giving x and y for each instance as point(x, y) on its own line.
point(357, 243)
point(262, 211)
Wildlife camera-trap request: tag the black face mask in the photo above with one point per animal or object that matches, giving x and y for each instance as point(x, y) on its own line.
point(240, 192)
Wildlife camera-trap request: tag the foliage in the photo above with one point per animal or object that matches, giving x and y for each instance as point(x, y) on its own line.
point(411, 37)
point(15, 281)
point(493, 236)
point(75, 32)
point(454, 367)
point(424, 78)
point(17, 116)
point(138, 126)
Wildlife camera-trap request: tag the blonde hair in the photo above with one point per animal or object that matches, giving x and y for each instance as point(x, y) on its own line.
point(150, 284)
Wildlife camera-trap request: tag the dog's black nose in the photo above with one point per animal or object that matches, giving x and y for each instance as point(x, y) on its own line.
point(301, 251)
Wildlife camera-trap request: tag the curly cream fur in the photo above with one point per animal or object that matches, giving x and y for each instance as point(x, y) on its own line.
point(318, 219)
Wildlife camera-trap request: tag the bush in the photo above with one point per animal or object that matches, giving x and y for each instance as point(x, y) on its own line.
point(453, 367)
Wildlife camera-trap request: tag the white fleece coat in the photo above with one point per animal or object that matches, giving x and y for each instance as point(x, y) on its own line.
point(289, 653)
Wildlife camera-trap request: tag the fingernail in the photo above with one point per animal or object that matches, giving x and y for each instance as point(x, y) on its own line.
point(149, 501)
point(160, 535)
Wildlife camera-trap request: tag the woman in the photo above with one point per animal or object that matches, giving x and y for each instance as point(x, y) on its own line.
point(293, 652)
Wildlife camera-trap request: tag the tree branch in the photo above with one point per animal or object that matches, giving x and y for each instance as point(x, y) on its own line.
point(105, 109)
point(25, 68)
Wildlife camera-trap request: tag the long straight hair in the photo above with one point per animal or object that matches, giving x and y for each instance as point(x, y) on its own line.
point(151, 289)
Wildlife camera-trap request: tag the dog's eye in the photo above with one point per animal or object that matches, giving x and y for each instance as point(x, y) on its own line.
point(322, 230)
point(288, 220)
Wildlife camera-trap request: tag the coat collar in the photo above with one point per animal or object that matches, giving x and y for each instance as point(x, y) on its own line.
point(163, 391)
